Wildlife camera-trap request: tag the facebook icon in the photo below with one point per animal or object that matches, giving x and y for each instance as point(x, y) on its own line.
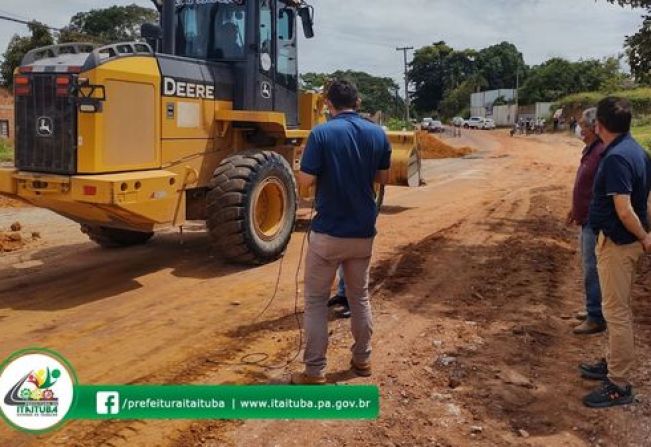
point(108, 402)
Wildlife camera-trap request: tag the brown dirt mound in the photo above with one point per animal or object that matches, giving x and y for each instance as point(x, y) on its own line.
point(432, 147)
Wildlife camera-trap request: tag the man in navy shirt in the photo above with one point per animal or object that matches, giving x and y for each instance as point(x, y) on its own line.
point(619, 215)
point(343, 158)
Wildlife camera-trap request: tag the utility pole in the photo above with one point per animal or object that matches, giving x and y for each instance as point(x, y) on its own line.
point(407, 100)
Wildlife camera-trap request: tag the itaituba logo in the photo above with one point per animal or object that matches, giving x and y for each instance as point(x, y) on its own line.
point(33, 395)
point(37, 390)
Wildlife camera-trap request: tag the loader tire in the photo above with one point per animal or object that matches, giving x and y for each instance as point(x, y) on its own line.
point(251, 207)
point(115, 237)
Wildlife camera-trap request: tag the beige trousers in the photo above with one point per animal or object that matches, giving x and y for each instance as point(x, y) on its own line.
point(617, 265)
point(325, 254)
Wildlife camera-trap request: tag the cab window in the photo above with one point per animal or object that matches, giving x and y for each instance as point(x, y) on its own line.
point(286, 67)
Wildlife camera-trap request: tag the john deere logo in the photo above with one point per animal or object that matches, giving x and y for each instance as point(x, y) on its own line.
point(44, 126)
point(36, 389)
point(265, 90)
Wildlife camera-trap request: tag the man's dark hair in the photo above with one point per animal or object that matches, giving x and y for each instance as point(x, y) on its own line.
point(343, 95)
point(615, 114)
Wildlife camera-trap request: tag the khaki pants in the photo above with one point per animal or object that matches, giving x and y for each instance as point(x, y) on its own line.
point(325, 254)
point(617, 265)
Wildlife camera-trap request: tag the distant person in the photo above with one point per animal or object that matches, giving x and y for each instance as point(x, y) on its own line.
point(578, 215)
point(619, 215)
point(573, 123)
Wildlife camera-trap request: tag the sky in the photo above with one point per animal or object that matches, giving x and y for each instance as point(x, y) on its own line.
point(363, 34)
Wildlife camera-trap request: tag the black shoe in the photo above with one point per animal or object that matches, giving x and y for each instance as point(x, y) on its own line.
point(609, 395)
point(338, 300)
point(597, 371)
point(344, 312)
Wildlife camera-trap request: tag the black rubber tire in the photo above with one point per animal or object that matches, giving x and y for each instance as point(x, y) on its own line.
point(229, 202)
point(115, 237)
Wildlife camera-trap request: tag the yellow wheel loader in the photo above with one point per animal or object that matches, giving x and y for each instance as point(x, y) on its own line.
point(204, 121)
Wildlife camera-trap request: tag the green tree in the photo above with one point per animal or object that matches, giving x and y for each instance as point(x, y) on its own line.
point(499, 65)
point(108, 25)
point(638, 46)
point(456, 101)
point(19, 46)
point(437, 69)
point(378, 93)
point(558, 77)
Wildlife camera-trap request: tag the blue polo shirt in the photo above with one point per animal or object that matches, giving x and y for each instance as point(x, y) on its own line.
point(345, 154)
point(625, 169)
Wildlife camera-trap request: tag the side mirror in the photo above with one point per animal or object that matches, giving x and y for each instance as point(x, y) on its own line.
point(152, 33)
point(307, 17)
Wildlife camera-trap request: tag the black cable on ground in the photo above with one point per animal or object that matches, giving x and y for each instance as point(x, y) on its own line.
point(263, 356)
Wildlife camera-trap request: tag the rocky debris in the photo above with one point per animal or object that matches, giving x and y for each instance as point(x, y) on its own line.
point(523, 433)
point(446, 360)
point(13, 239)
point(10, 241)
point(453, 410)
point(476, 429)
point(512, 377)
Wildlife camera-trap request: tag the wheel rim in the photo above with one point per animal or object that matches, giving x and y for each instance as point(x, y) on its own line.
point(268, 210)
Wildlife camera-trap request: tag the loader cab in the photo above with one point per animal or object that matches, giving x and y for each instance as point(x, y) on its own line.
point(257, 39)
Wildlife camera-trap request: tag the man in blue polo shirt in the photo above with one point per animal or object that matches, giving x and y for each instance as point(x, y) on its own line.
point(619, 215)
point(343, 158)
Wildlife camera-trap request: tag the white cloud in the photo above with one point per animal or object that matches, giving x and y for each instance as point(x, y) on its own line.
point(363, 34)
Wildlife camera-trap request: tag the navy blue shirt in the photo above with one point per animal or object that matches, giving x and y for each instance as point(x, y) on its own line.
point(626, 170)
point(345, 154)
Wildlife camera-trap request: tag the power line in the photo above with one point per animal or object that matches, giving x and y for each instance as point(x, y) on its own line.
point(9, 13)
point(26, 22)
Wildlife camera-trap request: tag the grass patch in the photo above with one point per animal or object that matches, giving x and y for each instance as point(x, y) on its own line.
point(6, 151)
point(643, 135)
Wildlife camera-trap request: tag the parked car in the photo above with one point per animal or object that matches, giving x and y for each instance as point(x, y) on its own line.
point(458, 121)
point(489, 123)
point(475, 122)
point(424, 124)
point(435, 126)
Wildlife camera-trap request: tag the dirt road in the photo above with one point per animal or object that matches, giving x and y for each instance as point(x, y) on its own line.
point(475, 282)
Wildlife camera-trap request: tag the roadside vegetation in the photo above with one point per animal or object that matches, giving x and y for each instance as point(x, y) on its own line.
point(6, 151)
point(640, 98)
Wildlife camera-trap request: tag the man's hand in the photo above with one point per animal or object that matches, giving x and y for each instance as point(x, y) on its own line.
point(628, 217)
point(569, 220)
point(646, 243)
point(306, 180)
